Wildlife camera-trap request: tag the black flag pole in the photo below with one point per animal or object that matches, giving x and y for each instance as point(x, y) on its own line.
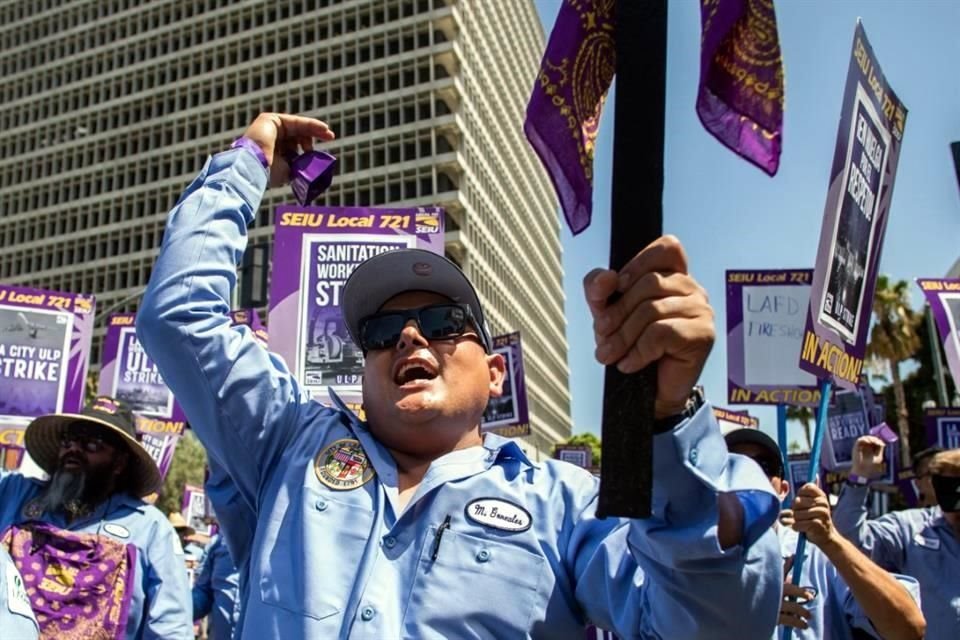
point(626, 480)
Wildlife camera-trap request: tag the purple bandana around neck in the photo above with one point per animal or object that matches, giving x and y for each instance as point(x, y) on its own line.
point(740, 99)
point(563, 114)
point(79, 584)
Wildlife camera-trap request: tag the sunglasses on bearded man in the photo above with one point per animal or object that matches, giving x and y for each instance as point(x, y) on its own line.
point(435, 322)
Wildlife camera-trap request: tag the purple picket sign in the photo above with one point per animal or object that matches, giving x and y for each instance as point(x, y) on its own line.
point(315, 251)
point(765, 322)
point(943, 294)
point(943, 427)
point(194, 508)
point(508, 415)
point(848, 418)
point(728, 420)
point(45, 341)
point(854, 221)
point(161, 449)
point(129, 374)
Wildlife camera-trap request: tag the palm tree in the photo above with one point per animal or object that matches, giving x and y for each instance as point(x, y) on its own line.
point(803, 415)
point(894, 339)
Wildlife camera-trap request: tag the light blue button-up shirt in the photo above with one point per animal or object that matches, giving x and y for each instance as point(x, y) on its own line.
point(16, 616)
point(326, 563)
point(834, 610)
point(915, 542)
point(160, 605)
point(216, 591)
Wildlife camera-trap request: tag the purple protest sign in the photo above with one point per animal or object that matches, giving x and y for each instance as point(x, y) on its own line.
point(194, 508)
point(798, 470)
point(730, 420)
point(44, 351)
point(129, 374)
point(508, 415)
point(578, 454)
point(943, 294)
point(854, 221)
point(766, 310)
point(847, 420)
point(315, 251)
point(161, 449)
point(943, 427)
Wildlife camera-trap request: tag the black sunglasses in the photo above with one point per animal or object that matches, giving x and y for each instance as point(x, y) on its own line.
point(435, 322)
point(90, 444)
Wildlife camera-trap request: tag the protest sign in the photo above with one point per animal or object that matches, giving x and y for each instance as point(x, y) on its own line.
point(854, 221)
point(765, 322)
point(798, 471)
point(578, 454)
point(943, 294)
point(161, 448)
point(943, 427)
point(508, 415)
point(44, 350)
point(847, 420)
point(730, 420)
point(194, 508)
point(315, 251)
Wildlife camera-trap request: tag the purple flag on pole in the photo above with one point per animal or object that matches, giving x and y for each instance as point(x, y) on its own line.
point(740, 100)
point(564, 110)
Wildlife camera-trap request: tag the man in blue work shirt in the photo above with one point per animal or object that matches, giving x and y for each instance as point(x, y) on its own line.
point(16, 615)
point(216, 591)
point(923, 543)
point(88, 526)
point(840, 588)
point(412, 524)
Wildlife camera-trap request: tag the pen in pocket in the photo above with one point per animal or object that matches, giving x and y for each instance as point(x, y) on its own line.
point(438, 536)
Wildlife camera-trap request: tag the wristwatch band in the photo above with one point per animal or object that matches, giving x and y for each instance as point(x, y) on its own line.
point(857, 481)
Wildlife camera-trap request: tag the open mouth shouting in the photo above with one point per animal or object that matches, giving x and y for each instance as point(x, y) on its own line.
point(414, 372)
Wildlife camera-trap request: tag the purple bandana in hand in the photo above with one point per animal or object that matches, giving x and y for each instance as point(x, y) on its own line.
point(78, 583)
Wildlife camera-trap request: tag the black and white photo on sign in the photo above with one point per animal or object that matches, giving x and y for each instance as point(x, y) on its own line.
point(851, 248)
point(503, 410)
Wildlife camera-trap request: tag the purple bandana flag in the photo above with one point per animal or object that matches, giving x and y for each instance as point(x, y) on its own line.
point(943, 294)
point(854, 221)
point(80, 584)
point(740, 100)
point(44, 351)
point(563, 114)
point(508, 415)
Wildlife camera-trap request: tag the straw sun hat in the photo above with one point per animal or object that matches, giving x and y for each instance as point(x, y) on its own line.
point(43, 435)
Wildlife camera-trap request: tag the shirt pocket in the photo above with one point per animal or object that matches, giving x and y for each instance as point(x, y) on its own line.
point(475, 588)
point(312, 554)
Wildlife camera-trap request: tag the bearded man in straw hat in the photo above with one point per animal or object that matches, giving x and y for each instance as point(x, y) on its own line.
point(97, 561)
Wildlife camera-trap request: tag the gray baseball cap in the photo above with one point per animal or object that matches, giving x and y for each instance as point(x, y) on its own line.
point(383, 276)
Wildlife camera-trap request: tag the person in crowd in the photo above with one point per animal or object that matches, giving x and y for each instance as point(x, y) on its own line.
point(16, 613)
point(413, 524)
point(193, 551)
point(923, 542)
point(926, 496)
point(840, 589)
point(216, 591)
point(99, 561)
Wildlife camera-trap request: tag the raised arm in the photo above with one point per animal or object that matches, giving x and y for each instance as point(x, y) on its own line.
point(241, 401)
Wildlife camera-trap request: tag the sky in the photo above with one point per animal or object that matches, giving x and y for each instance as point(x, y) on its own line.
point(730, 215)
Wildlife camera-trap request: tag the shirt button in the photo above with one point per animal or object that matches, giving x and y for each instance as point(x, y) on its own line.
point(321, 505)
point(483, 555)
point(367, 613)
point(694, 456)
point(389, 542)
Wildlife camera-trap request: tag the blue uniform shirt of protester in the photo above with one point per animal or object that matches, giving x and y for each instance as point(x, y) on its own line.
point(216, 591)
point(491, 544)
point(835, 612)
point(160, 605)
point(915, 542)
point(16, 615)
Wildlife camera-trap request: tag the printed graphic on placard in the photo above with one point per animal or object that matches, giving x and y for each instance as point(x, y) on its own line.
point(842, 305)
point(943, 427)
point(847, 420)
point(137, 380)
point(862, 176)
point(34, 353)
point(329, 357)
point(766, 315)
point(508, 415)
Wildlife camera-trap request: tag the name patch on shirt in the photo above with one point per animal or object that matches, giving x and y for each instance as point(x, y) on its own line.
point(116, 530)
point(498, 514)
point(17, 599)
point(343, 465)
point(928, 543)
